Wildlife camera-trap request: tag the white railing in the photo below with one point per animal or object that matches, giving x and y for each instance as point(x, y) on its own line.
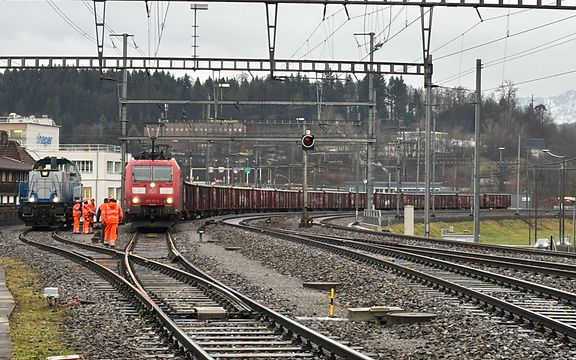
point(91, 147)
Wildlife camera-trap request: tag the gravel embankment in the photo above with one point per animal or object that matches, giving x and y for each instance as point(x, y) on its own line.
point(562, 283)
point(455, 334)
point(95, 328)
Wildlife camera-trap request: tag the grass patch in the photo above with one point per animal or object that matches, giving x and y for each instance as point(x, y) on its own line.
point(34, 326)
point(504, 232)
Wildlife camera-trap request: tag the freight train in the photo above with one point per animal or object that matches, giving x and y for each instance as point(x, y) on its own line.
point(154, 194)
point(46, 199)
point(206, 200)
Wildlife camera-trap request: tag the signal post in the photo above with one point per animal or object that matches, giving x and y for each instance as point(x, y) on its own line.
point(307, 142)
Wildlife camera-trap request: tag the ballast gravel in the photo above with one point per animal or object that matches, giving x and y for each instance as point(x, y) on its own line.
point(272, 272)
point(95, 327)
point(457, 333)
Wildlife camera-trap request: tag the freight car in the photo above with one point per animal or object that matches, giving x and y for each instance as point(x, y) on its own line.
point(153, 190)
point(441, 201)
point(47, 197)
point(207, 200)
point(199, 200)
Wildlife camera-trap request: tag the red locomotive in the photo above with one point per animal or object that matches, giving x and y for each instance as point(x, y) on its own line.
point(153, 190)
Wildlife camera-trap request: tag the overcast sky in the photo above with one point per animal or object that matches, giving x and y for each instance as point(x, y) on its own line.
point(516, 45)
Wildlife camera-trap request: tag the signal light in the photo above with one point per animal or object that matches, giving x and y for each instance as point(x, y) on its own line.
point(308, 142)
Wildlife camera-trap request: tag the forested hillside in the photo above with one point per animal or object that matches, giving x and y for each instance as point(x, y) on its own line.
point(86, 105)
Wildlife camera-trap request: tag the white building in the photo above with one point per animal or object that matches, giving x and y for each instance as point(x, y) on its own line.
point(31, 132)
point(99, 165)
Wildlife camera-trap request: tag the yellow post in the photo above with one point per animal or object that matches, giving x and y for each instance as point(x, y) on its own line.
point(331, 306)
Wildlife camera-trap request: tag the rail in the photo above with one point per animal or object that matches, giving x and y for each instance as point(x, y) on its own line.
point(343, 247)
point(292, 326)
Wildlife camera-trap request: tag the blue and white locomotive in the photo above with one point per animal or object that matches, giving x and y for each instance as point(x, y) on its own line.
point(46, 199)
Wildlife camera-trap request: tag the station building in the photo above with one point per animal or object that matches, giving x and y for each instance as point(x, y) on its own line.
point(99, 165)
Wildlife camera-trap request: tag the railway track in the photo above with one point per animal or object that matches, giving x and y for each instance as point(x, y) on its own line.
point(326, 221)
point(201, 317)
point(552, 268)
point(536, 306)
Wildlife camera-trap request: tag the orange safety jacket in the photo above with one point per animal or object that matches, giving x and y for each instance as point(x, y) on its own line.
point(92, 207)
point(102, 210)
point(114, 213)
point(86, 211)
point(76, 210)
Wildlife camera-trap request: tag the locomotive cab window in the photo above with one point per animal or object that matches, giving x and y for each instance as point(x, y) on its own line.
point(162, 173)
point(141, 173)
point(149, 173)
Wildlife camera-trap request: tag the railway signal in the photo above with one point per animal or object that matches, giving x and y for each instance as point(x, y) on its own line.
point(307, 141)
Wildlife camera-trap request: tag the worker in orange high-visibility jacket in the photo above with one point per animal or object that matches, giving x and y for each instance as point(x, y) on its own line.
point(76, 213)
point(101, 217)
point(114, 215)
point(87, 214)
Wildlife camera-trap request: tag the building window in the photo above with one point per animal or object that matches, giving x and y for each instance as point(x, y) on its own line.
point(113, 167)
point(84, 166)
point(115, 192)
point(87, 192)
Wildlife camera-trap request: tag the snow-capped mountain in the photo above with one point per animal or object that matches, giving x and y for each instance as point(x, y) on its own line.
point(562, 107)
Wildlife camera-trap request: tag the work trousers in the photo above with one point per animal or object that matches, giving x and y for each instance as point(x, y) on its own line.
point(76, 228)
point(87, 226)
point(110, 233)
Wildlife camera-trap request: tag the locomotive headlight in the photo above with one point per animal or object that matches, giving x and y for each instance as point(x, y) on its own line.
point(135, 200)
point(152, 185)
point(32, 198)
point(55, 199)
point(169, 200)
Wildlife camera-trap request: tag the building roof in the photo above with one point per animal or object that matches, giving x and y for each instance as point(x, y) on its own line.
point(14, 156)
point(14, 118)
point(7, 163)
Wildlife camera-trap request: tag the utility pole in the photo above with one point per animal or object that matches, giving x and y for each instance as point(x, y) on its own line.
point(398, 177)
point(304, 220)
point(518, 176)
point(477, 117)
point(196, 7)
point(371, 124)
point(357, 197)
point(123, 113)
point(428, 86)
point(371, 120)
point(535, 202)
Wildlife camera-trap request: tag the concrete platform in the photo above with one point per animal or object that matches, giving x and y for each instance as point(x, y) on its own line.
point(6, 306)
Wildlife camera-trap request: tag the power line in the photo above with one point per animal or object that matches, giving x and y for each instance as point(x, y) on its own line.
point(519, 55)
point(161, 28)
point(69, 21)
point(505, 37)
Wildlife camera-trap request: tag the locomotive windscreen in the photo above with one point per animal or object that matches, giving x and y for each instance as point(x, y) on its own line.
point(149, 173)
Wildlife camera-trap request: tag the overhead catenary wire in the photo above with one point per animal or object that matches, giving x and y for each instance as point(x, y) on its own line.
point(518, 55)
point(161, 27)
point(69, 21)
